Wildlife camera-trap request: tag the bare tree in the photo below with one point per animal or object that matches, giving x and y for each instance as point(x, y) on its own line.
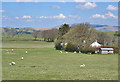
point(49, 35)
point(35, 34)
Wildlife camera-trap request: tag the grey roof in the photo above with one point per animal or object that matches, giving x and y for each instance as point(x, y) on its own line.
point(106, 48)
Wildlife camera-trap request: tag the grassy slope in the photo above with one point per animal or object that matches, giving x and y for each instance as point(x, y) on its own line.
point(112, 32)
point(45, 63)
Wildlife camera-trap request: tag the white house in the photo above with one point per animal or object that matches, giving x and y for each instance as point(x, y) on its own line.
point(95, 44)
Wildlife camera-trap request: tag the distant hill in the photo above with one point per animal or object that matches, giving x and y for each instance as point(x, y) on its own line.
point(29, 30)
point(107, 28)
point(102, 28)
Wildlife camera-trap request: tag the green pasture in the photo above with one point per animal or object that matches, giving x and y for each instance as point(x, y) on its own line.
point(23, 37)
point(43, 62)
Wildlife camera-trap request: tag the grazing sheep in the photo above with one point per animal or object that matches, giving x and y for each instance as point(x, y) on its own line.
point(60, 51)
point(79, 52)
point(66, 52)
point(83, 65)
point(13, 63)
point(10, 64)
point(26, 52)
point(12, 50)
point(22, 58)
point(75, 52)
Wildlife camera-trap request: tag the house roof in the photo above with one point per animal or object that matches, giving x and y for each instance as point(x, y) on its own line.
point(106, 48)
point(95, 44)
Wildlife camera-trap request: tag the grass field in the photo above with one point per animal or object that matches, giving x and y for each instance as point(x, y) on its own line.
point(23, 37)
point(111, 33)
point(43, 62)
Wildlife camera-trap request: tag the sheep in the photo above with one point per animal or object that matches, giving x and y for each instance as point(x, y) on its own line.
point(10, 64)
point(26, 52)
point(12, 50)
point(75, 52)
point(83, 65)
point(66, 52)
point(79, 52)
point(60, 51)
point(22, 58)
point(13, 63)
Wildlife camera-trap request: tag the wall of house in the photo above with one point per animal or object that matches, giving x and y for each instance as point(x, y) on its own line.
point(106, 52)
point(110, 52)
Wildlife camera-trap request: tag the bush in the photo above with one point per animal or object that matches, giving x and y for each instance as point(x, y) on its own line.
point(58, 45)
point(87, 49)
point(71, 47)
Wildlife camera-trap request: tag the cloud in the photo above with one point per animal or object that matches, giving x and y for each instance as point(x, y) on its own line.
point(55, 7)
point(62, 1)
point(1, 11)
point(60, 16)
point(105, 16)
point(25, 17)
point(23, 0)
point(74, 16)
point(87, 5)
point(17, 17)
point(109, 14)
point(43, 17)
point(36, 1)
point(80, 0)
point(98, 16)
point(111, 7)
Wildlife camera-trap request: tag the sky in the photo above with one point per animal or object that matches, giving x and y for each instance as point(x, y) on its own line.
point(51, 14)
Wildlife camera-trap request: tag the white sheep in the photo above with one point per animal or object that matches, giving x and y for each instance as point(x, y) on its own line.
point(26, 52)
point(83, 65)
point(10, 64)
point(13, 63)
point(60, 51)
point(12, 50)
point(66, 52)
point(79, 52)
point(22, 58)
point(75, 52)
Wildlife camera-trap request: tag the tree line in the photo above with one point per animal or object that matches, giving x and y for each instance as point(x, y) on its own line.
point(73, 35)
point(81, 36)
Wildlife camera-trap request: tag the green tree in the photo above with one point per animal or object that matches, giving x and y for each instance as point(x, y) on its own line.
point(104, 38)
point(62, 31)
point(80, 33)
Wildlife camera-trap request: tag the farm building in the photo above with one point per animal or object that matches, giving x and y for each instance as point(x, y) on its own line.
point(106, 50)
point(95, 44)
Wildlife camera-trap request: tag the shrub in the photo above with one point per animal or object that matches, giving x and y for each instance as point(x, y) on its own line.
point(58, 45)
point(87, 49)
point(71, 47)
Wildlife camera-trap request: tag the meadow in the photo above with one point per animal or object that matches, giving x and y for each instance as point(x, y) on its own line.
point(43, 62)
point(23, 37)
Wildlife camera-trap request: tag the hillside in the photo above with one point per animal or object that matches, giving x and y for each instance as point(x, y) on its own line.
point(29, 30)
point(102, 28)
